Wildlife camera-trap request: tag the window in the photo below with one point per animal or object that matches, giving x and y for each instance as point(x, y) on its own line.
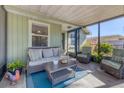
point(71, 41)
point(80, 40)
point(39, 35)
point(75, 40)
point(112, 32)
point(92, 39)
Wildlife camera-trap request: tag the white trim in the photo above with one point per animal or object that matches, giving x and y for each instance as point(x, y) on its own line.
point(30, 31)
point(39, 35)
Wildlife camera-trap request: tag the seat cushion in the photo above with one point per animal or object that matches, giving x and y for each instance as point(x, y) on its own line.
point(86, 50)
point(82, 55)
point(51, 59)
point(47, 53)
point(55, 51)
point(35, 63)
point(110, 63)
point(43, 60)
point(35, 54)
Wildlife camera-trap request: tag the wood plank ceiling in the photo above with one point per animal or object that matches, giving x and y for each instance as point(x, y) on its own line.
point(77, 14)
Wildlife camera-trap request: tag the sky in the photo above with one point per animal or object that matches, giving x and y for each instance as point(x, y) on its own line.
point(112, 27)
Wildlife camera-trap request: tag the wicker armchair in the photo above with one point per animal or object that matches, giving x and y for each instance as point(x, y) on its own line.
point(115, 65)
point(85, 56)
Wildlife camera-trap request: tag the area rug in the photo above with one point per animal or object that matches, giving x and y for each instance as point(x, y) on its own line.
point(40, 79)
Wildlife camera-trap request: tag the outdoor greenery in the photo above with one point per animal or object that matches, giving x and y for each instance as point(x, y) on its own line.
point(16, 64)
point(97, 58)
point(105, 50)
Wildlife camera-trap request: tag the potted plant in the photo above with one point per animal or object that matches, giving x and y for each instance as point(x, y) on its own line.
point(105, 51)
point(15, 65)
point(97, 58)
point(86, 31)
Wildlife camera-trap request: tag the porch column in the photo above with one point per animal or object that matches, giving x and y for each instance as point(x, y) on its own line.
point(98, 38)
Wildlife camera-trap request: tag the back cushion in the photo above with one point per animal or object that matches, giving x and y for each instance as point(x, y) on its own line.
point(35, 54)
point(118, 52)
point(86, 50)
point(117, 58)
point(55, 51)
point(47, 53)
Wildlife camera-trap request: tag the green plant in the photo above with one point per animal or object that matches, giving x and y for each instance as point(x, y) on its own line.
point(105, 50)
point(16, 64)
point(97, 58)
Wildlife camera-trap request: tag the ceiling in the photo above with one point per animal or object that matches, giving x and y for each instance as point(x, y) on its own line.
point(77, 14)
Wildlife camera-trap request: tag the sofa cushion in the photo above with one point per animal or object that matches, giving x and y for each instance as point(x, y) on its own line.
point(117, 58)
point(118, 52)
point(86, 50)
point(113, 64)
point(85, 56)
point(47, 53)
point(51, 59)
point(35, 54)
point(42, 61)
point(82, 55)
point(35, 63)
point(55, 51)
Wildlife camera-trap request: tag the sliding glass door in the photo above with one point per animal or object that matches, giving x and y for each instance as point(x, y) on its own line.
point(75, 41)
point(71, 42)
point(80, 40)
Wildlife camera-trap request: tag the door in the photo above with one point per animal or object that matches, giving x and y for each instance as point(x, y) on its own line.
point(63, 41)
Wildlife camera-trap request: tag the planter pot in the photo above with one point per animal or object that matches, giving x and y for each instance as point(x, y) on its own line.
point(13, 72)
point(93, 58)
point(20, 70)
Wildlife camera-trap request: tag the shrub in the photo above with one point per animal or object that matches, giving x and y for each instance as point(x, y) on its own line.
point(97, 58)
point(105, 49)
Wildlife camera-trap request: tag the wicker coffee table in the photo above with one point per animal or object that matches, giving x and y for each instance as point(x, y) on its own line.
point(61, 71)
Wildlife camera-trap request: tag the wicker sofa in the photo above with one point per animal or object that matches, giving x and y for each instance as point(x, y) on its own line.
point(85, 56)
point(115, 65)
point(37, 57)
